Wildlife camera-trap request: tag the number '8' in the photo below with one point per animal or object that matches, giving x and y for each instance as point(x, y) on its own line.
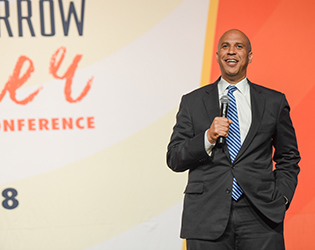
point(10, 202)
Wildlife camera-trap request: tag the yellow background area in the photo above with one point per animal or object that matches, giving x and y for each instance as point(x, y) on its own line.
point(108, 27)
point(208, 51)
point(88, 202)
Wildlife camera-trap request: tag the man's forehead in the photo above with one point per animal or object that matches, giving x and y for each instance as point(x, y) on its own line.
point(235, 37)
point(236, 42)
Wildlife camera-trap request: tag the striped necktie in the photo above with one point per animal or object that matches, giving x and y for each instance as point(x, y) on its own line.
point(234, 138)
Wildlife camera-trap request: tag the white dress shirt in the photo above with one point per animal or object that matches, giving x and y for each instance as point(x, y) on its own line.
point(242, 97)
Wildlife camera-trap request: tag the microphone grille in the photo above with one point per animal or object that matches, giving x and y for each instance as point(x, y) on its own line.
point(225, 99)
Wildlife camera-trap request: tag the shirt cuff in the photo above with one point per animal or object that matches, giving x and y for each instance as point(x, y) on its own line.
point(208, 146)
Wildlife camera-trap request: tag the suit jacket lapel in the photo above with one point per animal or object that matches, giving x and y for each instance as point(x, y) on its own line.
point(212, 105)
point(258, 107)
point(211, 101)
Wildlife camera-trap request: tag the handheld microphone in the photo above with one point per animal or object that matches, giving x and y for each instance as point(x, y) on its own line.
point(225, 100)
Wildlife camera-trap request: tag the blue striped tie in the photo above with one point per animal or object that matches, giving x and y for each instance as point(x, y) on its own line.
point(234, 138)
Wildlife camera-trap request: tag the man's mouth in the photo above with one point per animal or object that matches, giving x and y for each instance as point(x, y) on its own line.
point(231, 62)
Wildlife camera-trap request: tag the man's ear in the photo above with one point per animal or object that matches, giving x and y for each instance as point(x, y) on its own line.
point(217, 56)
point(250, 57)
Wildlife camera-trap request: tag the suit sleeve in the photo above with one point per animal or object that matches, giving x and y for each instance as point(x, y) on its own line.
point(186, 149)
point(286, 155)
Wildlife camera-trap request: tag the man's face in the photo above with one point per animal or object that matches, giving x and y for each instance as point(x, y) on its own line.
point(234, 55)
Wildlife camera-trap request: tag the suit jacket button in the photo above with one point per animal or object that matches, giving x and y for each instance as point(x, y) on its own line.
point(228, 191)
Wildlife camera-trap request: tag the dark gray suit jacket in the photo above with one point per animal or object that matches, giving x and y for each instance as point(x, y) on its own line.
point(208, 193)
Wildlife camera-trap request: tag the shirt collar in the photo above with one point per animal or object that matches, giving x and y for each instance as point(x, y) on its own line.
point(242, 86)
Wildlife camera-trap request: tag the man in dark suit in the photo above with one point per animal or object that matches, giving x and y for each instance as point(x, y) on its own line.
point(234, 198)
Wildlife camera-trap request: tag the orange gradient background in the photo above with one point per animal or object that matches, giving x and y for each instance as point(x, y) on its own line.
point(282, 33)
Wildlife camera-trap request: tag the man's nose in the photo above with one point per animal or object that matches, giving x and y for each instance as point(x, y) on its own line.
point(231, 50)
